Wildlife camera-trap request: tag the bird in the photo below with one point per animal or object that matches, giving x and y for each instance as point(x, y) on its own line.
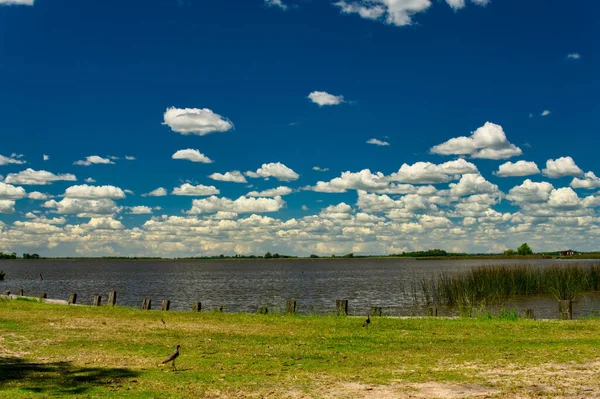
point(367, 322)
point(172, 356)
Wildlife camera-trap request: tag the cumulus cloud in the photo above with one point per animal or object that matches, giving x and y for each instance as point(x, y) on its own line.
point(323, 98)
point(7, 206)
point(83, 207)
point(473, 184)
point(377, 142)
point(198, 191)
point(545, 113)
point(129, 157)
point(589, 181)
point(363, 180)
point(277, 170)
point(274, 192)
point(519, 168)
point(16, 2)
point(195, 121)
point(429, 173)
point(94, 192)
point(235, 177)
point(319, 169)
point(458, 4)
point(140, 210)
point(192, 155)
point(241, 205)
point(564, 166)
point(564, 198)
point(487, 142)
point(573, 56)
point(10, 192)
point(276, 3)
point(94, 160)
point(10, 160)
point(36, 195)
point(46, 157)
point(90, 180)
point(159, 192)
point(103, 223)
point(530, 192)
point(37, 177)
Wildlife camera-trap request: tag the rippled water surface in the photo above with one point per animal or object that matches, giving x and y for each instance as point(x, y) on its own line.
point(243, 285)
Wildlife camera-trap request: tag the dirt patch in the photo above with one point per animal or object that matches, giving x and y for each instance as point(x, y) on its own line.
point(430, 390)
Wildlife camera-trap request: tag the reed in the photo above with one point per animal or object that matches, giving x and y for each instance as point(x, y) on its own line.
point(496, 283)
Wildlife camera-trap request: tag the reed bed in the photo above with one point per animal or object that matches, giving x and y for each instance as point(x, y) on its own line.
point(496, 283)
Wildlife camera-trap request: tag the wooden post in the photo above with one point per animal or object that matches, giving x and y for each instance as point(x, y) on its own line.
point(97, 300)
point(72, 298)
point(432, 311)
point(529, 314)
point(565, 308)
point(112, 298)
point(341, 307)
point(263, 310)
point(218, 308)
point(21, 292)
point(375, 311)
point(196, 307)
point(290, 306)
point(146, 304)
point(166, 304)
point(7, 293)
point(43, 295)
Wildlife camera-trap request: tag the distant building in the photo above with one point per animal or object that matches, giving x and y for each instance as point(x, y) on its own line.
point(568, 252)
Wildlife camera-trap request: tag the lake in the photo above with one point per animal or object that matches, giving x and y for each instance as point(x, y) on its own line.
point(244, 285)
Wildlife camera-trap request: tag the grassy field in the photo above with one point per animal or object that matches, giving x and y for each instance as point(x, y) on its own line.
point(53, 351)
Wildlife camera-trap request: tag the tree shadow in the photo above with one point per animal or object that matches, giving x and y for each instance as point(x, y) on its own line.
point(59, 377)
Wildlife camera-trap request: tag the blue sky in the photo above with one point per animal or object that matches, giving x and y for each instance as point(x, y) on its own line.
point(273, 89)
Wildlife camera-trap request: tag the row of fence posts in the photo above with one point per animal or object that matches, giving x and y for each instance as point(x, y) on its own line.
point(565, 307)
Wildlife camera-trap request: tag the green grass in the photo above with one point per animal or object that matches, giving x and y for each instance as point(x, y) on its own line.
point(106, 352)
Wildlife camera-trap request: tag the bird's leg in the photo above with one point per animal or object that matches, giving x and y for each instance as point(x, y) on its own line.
point(174, 368)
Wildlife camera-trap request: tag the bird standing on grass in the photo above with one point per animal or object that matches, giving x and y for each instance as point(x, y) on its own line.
point(367, 322)
point(172, 356)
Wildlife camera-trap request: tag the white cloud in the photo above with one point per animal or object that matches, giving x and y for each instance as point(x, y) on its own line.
point(103, 223)
point(198, 191)
point(94, 160)
point(429, 173)
point(94, 192)
point(519, 168)
point(319, 169)
point(36, 195)
point(37, 177)
point(472, 184)
point(159, 192)
point(564, 166)
point(458, 4)
point(241, 205)
point(276, 3)
point(10, 160)
point(487, 142)
point(304, 208)
point(530, 192)
point(234, 177)
point(573, 56)
point(46, 157)
point(192, 155)
point(195, 121)
point(323, 98)
point(274, 192)
point(590, 181)
point(7, 206)
point(83, 207)
point(363, 180)
point(129, 158)
point(545, 113)
point(277, 170)
point(377, 142)
point(140, 210)
point(16, 2)
point(10, 192)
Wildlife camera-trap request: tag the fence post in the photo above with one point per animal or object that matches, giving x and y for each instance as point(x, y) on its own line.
point(341, 307)
point(97, 300)
point(112, 298)
point(196, 307)
point(290, 306)
point(72, 298)
point(166, 304)
point(529, 314)
point(146, 304)
point(21, 292)
point(7, 293)
point(43, 295)
point(432, 311)
point(375, 311)
point(565, 308)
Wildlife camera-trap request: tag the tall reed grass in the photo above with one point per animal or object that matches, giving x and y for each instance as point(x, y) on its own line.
point(490, 284)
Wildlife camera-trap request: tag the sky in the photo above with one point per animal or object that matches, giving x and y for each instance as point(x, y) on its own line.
point(190, 128)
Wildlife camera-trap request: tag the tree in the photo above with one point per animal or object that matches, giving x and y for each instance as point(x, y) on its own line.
point(524, 250)
point(268, 255)
point(509, 252)
point(314, 256)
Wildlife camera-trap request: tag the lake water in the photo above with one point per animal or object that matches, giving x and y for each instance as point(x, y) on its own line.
point(244, 285)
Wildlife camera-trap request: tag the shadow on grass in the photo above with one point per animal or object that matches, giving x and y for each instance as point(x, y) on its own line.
point(58, 377)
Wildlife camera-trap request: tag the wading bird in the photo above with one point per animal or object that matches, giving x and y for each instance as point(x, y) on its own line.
point(172, 356)
point(367, 322)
